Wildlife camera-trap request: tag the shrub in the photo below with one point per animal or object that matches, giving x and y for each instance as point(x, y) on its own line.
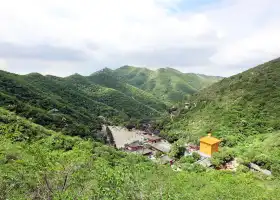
point(196, 156)
point(262, 160)
point(243, 169)
point(187, 159)
point(222, 157)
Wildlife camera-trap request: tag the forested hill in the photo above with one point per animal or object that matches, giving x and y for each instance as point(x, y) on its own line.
point(109, 78)
point(166, 84)
point(36, 163)
point(75, 105)
point(236, 107)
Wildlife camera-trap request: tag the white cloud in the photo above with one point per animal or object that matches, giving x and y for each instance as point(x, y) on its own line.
point(3, 65)
point(141, 32)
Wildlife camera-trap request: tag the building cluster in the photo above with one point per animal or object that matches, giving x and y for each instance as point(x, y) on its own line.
point(157, 149)
point(151, 146)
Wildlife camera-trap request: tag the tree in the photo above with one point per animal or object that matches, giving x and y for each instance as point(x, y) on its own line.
point(130, 126)
point(222, 157)
point(196, 156)
point(177, 150)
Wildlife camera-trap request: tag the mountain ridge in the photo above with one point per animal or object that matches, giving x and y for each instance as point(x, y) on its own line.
point(168, 84)
point(79, 105)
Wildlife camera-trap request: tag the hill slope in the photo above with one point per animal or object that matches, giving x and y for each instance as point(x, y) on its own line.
point(242, 105)
point(109, 78)
point(129, 104)
point(36, 163)
point(167, 84)
point(243, 111)
point(73, 104)
point(234, 108)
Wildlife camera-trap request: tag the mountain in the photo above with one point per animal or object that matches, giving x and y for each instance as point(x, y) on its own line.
point(50, 128)
point(108, 78)
point(74, 105)
point(247, 103)
point(242, 110)
point(37, 163)
point(167, 84)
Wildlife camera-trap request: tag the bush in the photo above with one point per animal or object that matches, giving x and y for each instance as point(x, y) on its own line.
point(193, 167)
point(275, 169)
point(243, 169)
point(262, 160)
point(187, 159)
point(222, 157)
point(177, 150)
point(196, 156)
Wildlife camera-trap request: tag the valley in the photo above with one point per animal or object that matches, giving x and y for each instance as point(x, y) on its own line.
point(115, 133)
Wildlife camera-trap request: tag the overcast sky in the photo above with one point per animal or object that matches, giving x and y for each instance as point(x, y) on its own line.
point(62, 37)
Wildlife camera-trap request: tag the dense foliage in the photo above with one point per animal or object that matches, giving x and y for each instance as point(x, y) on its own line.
point(105, 88)
point(242, 111)
point(36, 163)
point(108, 78)
point(74, 105)
point(167, 84)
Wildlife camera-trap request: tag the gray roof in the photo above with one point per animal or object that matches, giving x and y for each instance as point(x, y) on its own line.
point(163, 147)
point(151, 137)
point(134, 144)
point(143, 151)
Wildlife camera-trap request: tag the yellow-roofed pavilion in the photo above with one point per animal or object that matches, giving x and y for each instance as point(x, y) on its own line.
point(209, 145)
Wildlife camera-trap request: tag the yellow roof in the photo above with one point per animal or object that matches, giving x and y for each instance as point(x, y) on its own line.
point(209, 140)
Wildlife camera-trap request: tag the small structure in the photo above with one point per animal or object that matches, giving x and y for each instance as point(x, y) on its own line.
point(209, 145)
point(190, 149)
point(152, 139)
point(163, 147)
point(134, 146)
point(144, 152)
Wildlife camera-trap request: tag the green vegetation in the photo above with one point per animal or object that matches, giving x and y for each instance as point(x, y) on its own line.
point(51, 139)
point(108, 78)
point(177, 149)
point(167, 84)
point(242, 111)
point(75, 105)
point(222, 157)
point(36, 163)
point(236, 107)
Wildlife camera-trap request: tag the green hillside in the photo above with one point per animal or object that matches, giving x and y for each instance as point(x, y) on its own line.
point(50, 134)
point(117, 98)
point(74, 104)
point(242, 110)
point(109, 78)
point(167, 84)
point(244, 104)
point(36, 163)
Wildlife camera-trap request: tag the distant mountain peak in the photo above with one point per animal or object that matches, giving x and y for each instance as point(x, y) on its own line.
point(167, 84)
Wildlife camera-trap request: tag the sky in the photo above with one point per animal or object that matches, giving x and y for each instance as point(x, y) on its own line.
point(62, 37)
